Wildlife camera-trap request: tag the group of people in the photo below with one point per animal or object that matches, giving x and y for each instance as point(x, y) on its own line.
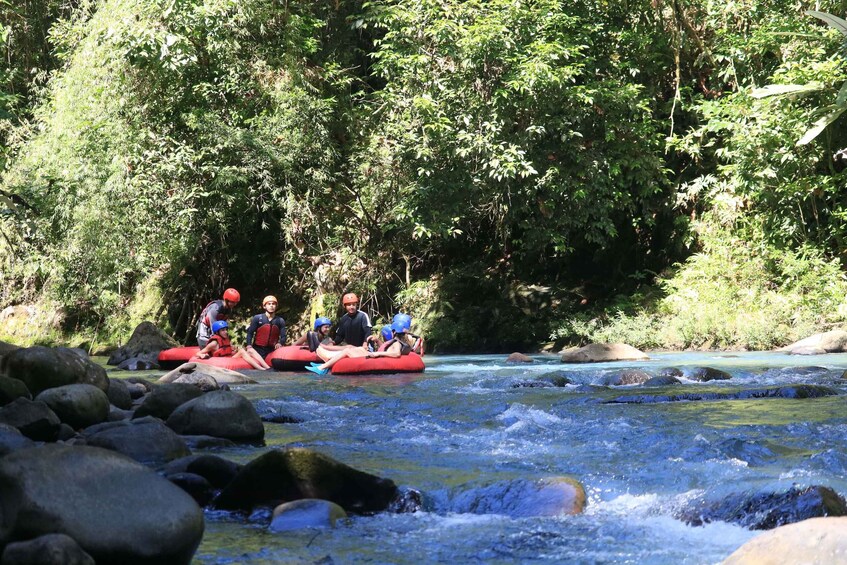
point(353, 335)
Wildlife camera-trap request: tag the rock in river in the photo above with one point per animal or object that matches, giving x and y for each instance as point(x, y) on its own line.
point(166, 398)
point(147, 440)
point(292, 474)
point(602, 352)
point(817, 541)
point(219, 413)
point(306, 513)
point(50, 549)
point(117, 510)
point(78, 406)
point(41, 368)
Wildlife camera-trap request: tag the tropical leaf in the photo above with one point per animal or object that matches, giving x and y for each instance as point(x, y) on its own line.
point(841, 99)
point(821, 124)
point(784, 89)
point(833, 21)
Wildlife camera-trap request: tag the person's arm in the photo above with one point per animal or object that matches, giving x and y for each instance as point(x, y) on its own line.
point(301, 340)
point(340, 331)
point(212, 313)
point(251, 331)
point(367, 329)
point(207, 351)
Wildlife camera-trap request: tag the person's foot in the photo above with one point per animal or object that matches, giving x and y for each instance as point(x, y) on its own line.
point(317, 370)
point(314, 364)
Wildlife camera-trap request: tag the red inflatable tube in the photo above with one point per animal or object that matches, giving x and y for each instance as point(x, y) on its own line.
point(411, 363)
point(230, 363)
point(174, 357)
point(291, 358)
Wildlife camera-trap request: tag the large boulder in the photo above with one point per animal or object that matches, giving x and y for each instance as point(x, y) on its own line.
point(137, 364)
point(219, 413)
point(144, 344)
point(147, 440)
point(834, 341)
point(117, 510)
point(166, 398)
point(41, 368)
point(50, 549)
point(817, 541)
point(292, 474)
point(34, 419)
point(79, 406)
point(12, 389)
point(306, 513)
point(603, 352)
point(220, 375)
point(767, 510)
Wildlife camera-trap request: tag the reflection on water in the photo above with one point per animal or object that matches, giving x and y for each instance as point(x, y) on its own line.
point(463, 428)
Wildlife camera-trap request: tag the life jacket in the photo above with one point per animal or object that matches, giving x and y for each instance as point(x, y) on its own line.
point(224, 346)
point(223, 312)
point(267, 335)
point(405, 348)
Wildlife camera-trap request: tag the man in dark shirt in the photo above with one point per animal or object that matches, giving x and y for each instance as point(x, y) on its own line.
point(354, 328)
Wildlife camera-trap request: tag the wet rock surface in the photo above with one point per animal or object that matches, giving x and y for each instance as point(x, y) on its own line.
point(767, 510)
point(788, 391)
point(147, 440)
point(117, 510)
point(40, 368)
point(292, 474)
point(220, 413)
point(164, 399)
point(79, 405)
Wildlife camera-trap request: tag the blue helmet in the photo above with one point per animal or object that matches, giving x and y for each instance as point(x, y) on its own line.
point(219, 325)
point(322, 321)
point(399, 327)
point(404, 319)
point(386, 333)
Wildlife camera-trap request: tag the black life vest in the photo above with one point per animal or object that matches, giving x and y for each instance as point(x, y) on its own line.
point(267, 335)
point(224, 346)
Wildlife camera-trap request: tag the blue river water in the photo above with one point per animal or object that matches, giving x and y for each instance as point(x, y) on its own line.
point(468, 430)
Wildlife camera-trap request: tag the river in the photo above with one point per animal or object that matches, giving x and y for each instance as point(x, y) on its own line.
point(468, 430)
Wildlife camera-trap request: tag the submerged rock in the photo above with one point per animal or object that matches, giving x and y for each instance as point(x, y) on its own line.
point(625, 377)
point(296, 473)
point(602, 352)
point(306, 513)
point(817, 541)
point(553, 496)
point(705, 374)
point(137, 364)
point(788, 391)
point(767, 510)
point(519, 358)
point(662, 380)
point(117, 510)
point(195, 486)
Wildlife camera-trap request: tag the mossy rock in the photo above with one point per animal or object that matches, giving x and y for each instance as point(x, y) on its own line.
point(296, 473)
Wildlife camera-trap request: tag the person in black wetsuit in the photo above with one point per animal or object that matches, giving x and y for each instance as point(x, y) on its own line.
point(266, 331)
point(354, 328)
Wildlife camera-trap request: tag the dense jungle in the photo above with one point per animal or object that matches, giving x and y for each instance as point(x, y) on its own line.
point(514, 174)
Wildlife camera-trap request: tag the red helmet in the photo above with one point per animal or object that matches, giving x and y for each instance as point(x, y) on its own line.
point(232, 295)
point(349, 298)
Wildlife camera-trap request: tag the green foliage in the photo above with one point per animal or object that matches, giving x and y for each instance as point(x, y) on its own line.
point(736, 294)
point(502, 170)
